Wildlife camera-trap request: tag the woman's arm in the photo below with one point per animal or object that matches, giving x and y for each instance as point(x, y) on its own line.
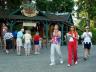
point(90, 34)
point(76, 36)
point(82, 36)
point(59, 34)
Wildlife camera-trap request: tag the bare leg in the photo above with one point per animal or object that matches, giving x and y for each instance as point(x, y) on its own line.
point(28, 51)
point(18, 50)
point(88, 52)
point(85, 53)
point(36, 49)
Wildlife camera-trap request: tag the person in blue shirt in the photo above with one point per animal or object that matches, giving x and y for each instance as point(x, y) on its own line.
point(14, 38)
point(19, 41)
point(14, 34)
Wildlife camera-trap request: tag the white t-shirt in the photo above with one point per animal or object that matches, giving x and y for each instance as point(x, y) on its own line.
point(27, 38)
point(70, 38)
point(87, 36)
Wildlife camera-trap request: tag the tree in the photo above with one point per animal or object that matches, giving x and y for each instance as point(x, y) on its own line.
point(14, 4)
point(46, 5)
point(55, 5)
point(88, 6)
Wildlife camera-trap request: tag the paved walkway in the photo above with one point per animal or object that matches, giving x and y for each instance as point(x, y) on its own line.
point(40, 63)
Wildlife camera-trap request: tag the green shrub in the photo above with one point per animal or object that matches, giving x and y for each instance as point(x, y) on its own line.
point(93, 30)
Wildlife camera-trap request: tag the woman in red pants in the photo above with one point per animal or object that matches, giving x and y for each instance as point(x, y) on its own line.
point(72, 36)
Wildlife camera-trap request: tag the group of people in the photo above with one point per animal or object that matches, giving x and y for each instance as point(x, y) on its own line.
point(72, 38)
point(22, 40)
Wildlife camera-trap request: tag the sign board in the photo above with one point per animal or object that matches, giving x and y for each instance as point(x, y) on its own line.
point(29, 24)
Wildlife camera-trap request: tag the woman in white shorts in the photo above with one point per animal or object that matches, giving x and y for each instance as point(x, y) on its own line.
point(19, 41)
point(27, 42)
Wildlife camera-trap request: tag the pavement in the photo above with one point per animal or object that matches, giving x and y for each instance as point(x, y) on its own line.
point(40, 63)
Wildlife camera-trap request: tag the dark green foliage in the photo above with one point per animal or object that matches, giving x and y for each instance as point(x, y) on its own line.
point(94, 35)
point(55, 5)
point(89, 6)
point(45, 5)
point(14, 3)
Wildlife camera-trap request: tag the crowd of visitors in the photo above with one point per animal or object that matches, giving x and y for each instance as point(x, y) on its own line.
point(24, 39)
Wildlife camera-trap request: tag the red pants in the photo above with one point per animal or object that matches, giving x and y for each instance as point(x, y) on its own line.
point(72, 52)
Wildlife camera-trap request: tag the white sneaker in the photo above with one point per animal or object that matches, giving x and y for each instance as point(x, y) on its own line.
point(61, 62)
point(7, 51)
point(26, 54)
point(51, 64)
point(36, 53)
point(18, 54)
point(76, 63)
point(88, 55)
point(68, 65)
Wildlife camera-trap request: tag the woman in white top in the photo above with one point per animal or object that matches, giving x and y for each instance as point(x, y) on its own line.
point(27, 42)
point(87, 35)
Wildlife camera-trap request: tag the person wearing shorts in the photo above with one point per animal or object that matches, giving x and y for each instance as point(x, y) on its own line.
point(27, 42)
point(19, 41)
point(36, 39)
point(87, 35)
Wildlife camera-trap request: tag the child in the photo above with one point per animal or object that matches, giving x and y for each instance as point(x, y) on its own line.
point(27, 42)
point(36, 39)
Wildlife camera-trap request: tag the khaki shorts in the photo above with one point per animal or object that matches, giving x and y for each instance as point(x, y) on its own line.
point(19, 42)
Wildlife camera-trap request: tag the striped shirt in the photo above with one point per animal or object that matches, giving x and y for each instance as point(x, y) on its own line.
point(8, 35)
